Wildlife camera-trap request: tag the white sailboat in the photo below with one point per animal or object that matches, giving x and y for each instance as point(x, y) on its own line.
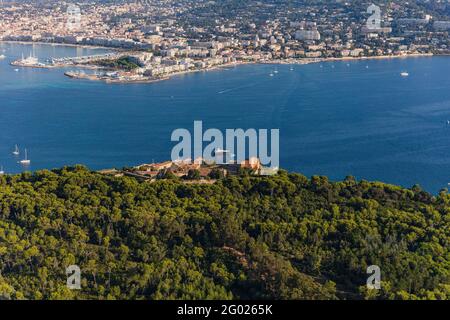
point(25, 161)
point(16, 151)
point(1, 171)
point(221, 151)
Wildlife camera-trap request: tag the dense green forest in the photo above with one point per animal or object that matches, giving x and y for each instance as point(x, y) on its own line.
point(280, 237)
point(122, 63)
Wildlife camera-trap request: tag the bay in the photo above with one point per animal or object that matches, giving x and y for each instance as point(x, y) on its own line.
point(359, 118)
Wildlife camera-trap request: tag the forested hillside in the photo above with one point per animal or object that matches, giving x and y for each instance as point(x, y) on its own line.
point(283, 237)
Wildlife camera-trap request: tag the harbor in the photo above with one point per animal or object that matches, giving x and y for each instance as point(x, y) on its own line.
point(80, 62)
point(126, 67)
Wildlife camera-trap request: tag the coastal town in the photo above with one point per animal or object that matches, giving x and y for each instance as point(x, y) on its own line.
point(155, 39)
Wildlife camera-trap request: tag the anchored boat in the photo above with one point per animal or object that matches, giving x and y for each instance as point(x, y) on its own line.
point(25, 161)
point(16, 151)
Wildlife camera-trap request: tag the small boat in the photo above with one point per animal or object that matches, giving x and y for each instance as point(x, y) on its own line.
point(292, 69)
point(16, 151)
point(404, 74)
point(16, 70)
point(1, 171)
point(221, 151)
point(2, 56)
point(271, 74)
point(276, 71)
point(25, 161)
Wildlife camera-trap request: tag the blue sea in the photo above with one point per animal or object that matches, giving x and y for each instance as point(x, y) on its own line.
point(359, 118)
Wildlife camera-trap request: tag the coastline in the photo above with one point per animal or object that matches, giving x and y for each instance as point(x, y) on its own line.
point(57, 44)
point(288, 61)
point(300, 61)
point(152, 80)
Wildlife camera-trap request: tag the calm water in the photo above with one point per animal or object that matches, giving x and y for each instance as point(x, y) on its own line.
point(360, 118)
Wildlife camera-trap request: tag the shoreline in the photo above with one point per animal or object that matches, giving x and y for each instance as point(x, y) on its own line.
point(289, 61)
point(301, 61)
point(150, 80)
point(57, 44)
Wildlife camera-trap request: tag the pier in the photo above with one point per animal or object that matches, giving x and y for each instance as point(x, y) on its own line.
point(84, 59)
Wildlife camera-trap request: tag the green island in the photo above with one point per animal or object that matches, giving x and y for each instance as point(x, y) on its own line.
point(243, 237)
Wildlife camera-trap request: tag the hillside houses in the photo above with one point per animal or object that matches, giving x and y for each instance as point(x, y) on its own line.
point(199, 169)
point(196, 36)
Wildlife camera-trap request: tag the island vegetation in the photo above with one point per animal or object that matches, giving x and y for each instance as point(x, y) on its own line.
point(122, 63)
point(243, 237)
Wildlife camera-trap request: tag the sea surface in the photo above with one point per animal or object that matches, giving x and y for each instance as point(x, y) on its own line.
point(359, 118)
